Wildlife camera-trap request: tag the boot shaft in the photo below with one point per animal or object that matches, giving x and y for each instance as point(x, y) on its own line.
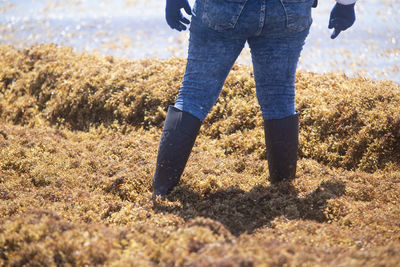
point(179, 134)
point(282, 140)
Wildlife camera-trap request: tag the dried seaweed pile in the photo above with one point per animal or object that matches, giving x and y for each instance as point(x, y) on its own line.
point(79, 135)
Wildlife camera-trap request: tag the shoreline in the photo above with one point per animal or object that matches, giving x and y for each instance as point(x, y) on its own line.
point(136, 29)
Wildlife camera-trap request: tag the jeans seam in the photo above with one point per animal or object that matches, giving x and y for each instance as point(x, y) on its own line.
point(262, 18)
point(286, 14)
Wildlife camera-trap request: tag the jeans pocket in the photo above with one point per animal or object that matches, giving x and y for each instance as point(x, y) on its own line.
point(222, 14)
point(298, 14)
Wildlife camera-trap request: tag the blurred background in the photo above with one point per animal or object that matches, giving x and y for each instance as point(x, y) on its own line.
point(137, 29)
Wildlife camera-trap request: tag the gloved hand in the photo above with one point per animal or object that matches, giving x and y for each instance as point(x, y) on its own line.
point(342, 17)
point(174, 16)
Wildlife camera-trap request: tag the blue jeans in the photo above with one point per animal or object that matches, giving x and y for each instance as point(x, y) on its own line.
point(275, 31)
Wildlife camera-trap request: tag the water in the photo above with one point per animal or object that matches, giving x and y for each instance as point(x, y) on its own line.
point(137, 29)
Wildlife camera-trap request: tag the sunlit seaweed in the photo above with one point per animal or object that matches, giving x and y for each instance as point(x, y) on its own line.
point(79, 136)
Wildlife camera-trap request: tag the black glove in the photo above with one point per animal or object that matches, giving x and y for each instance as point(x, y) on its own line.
point(174, 16)
point(342, 18)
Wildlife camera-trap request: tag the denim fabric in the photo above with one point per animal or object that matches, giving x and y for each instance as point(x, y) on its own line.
point(275, 31)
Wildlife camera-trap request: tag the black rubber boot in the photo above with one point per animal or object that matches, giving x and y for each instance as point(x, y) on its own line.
point(282, 140)
point(177, 139)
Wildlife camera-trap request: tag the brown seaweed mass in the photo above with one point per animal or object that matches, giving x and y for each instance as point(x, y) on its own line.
point(78, 142)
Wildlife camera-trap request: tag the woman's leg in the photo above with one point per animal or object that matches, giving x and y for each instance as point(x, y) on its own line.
point(275, 53)
point(211, 56)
